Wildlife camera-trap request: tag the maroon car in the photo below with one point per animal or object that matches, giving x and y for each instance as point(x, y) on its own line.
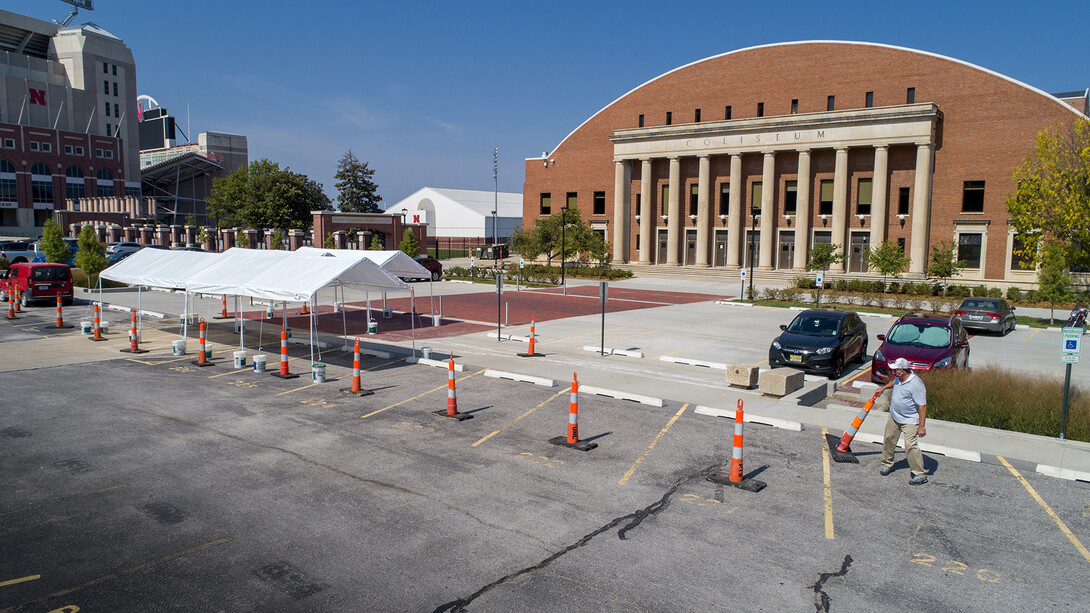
point(434, 266)
point(926, 340)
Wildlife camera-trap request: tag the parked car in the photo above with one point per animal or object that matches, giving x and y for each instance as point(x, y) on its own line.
point(926, 340)
point(992, 314)
point(71, 243)
point(193, 249)
point(157, 247)
point(434, 266)
point(114, 258)
point(820, 341)
point(38, 281)
point(17, 252)
point(123, 248)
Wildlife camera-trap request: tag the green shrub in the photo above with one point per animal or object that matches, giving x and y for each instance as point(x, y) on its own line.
point(1033, 296)
point(1014, 294)
point(855, 285)
point(960, 291)
point(894, 287)
point(926, 289)
point(841, 285)
point(995, 292)
point(805, 283)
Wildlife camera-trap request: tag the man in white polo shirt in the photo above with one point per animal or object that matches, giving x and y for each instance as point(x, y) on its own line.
point(907, 414)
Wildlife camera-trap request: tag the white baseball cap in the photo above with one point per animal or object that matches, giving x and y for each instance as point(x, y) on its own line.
point(900, 364)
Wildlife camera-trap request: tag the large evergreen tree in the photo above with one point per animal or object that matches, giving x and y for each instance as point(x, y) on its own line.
point(357, 192)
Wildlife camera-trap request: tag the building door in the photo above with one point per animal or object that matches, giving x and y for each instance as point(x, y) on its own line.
point(720, 248)
point(662, 247)
point(857, 262)
point(690, 247)
point(753, 248)
point(785, 259)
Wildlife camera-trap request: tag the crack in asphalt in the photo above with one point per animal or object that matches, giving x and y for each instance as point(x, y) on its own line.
point(633, 520)
point(821, 604)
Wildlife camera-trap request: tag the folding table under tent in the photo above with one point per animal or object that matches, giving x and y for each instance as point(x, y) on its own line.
point(395, 262)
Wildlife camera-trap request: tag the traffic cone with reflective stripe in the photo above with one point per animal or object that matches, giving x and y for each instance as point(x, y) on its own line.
point(736, 477)
point(134, 339)
point(533, 335)
point(60, 317)
point(284, 372)
point(18, 300)
point(223, 308)
point(98, 325)
point(202, 356)
point(304, 310)
point(841, 450)
point(452, 397)
point(572, 439)
point(356, 389)
point(9, 298)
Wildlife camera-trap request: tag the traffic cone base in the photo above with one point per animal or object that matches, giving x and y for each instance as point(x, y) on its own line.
point(531, 355)
point(206, 363)
point(361, 392)
point(838, 455)
point(287, 376)
point(581, 445)
point(456, 417)
point(749, 485)
point(60, 327)
point(99, 339)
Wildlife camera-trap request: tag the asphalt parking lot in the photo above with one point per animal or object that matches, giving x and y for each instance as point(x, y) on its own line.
point(140, 482)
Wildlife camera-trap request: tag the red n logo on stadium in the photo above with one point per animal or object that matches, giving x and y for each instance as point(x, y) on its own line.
point(37, 96)
point(416, 219)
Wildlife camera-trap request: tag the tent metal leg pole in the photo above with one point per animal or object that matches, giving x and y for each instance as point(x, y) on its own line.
point(344, 319)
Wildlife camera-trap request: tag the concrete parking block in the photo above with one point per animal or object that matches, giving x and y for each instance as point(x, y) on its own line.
point(781, 381)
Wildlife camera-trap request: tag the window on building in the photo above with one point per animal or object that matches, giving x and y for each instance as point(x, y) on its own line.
point(795, 106)
point(969, 249)
point(790, 197)
point(573, 200)
point(903, 201)
point(79, 150)
point(863, 199)
point(75, 184)
point(825, 204)
point(107, 108)
point(599, 203)
point(33, 145)
point(901, 244)
point(9, 143)
point(972, 197)
point(664, 202)
point(760, 109)
point(9, 189)
point(756, 196)
point(8, 217)
point(47, 147)
point(823, 236)
point(641, 120)
point(109, 154)
point(105, 182)
point(830, 103)
point(696, 116)
point(41, 184)
point(105, 68)
point(869, 102)
point(98, 153)
point(724, 199)
point(115, 69)
point(41, 216)
point(117, 111)
point(1019, 261)
point(546, 204)
point(694, 198)
point(910, 97)
point(74, 172)
point(68, 149)
point(132, 190)
point(115, 88)
point(106, 87)
point(669, 118)
point(109, 130)
point(726, 113)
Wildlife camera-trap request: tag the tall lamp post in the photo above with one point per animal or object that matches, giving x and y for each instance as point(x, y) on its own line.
point(754, 209)
point(563, 250)
point(496, 202)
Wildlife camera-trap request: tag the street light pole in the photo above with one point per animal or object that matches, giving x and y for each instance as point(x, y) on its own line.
point(496, 202)
point(754, 209)
point(563, 247)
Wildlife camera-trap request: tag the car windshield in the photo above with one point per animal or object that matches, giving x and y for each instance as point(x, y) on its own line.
point(920, 335)
point(49, 273)
point(814, 326)
point(980, 304)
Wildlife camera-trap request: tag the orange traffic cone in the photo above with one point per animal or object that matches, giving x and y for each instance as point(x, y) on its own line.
point(202, 356)
point(223, 308)
point(134, 339)
point(60, 318)
point(572, 440)
point(736, 478)
point(356, 389)
point(842, 451)
point(98, 325)
point(452, 397)
point(304, 310)
point(18, 300)
point(284, 372)
point(533, 335)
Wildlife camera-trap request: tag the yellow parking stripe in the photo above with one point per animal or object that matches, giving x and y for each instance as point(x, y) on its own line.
point(554, 397)
point(828, 485)
point(441, 387)
point(1044, 505)
point(647, 451)
point(19, 580)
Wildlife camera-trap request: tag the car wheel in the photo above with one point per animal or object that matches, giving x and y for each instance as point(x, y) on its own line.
point(435, 275)
point(965, 364)
point(862, 357)
point(67, 300)
point(838, 367)
point(25, 299)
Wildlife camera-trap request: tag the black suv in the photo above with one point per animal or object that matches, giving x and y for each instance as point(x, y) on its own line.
point(820, 341)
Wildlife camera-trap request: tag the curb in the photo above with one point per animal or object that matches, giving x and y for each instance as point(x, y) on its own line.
point(692, 362)
point(501, 374)
point(732, 303)
point(598, 391)
point(783, 424)
point(612, 351)
point(950, 452)
point(436, 363)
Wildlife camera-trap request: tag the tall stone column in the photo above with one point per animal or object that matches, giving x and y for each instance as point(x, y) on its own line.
point(768, 207)
point(622, 187)
point(840, 206)
point(673, 223)
point(921, 209)
point(802, 210)
point(734, 223)
point(703, 212)
point(878, 204)
point(647, 214)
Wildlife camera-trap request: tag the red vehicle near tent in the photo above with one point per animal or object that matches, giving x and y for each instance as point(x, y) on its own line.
point(38, 281)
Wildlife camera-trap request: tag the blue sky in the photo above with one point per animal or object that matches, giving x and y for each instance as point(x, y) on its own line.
point(424, 91)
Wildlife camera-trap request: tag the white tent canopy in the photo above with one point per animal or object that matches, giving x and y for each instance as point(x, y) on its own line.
point(159, 267)
point(394, 262)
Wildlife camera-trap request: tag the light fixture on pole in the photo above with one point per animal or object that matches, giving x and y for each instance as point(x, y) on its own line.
point(755, 209)
point(496, 203)
point(901, 218)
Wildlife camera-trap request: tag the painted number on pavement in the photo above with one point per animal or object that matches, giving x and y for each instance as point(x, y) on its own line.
point(955, 568)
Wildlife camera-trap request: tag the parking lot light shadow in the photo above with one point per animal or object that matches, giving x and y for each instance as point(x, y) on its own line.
point(596, 437)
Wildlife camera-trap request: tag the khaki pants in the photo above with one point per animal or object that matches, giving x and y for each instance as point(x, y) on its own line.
point(894, 431)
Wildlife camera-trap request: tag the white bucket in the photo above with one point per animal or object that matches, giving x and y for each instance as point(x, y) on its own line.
point(177, 347)
point(240, 359)
point(86, 328)
point(317, 373)
point(436, 320)
point(105, 326)
point(259, 363)
point(372, 327)
point(426, 352)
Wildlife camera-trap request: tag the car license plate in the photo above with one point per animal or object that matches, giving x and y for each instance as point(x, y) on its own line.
point(974, 316)
point(794, 358)
point(43, 287)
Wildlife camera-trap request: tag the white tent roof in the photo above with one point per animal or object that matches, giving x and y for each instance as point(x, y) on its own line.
point(396, 263)
point(288, 275)
point(159, 267)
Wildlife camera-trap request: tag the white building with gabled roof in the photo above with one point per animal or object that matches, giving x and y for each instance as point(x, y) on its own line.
point(462, 213)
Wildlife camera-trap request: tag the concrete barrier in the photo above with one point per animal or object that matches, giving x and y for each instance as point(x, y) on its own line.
point(780, 382)
point(437, 363)
point(501, 374)
point(692, 362)
point(748, 417)
point(741, 375)
point(598, 391)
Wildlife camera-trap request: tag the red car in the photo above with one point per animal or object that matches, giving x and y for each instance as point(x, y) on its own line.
point(926, 340)
point(38, 281)
point(434, 266)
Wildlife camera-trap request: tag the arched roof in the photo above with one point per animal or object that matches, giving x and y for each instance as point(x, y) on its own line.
point(1035, 90)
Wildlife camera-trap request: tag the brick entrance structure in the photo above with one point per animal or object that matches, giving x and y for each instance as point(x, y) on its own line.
point(388, 227)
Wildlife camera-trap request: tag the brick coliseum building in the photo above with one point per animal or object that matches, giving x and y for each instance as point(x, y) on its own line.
point(842, 142)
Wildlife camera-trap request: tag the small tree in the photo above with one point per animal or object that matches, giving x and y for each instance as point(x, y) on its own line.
point(278, 240)
point(202, 237)
point(56, 250)
point(944, 264)
point(822, 255)
point(888, 259)
point(242, 239)
point(328, 243)
point(190, 220)
point(409, 244)
point(376, 243)
point(1053, 281)
point(598, 248)
point(91, 257)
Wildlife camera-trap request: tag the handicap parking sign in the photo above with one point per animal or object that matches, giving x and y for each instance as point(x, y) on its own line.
point(1071, 345)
